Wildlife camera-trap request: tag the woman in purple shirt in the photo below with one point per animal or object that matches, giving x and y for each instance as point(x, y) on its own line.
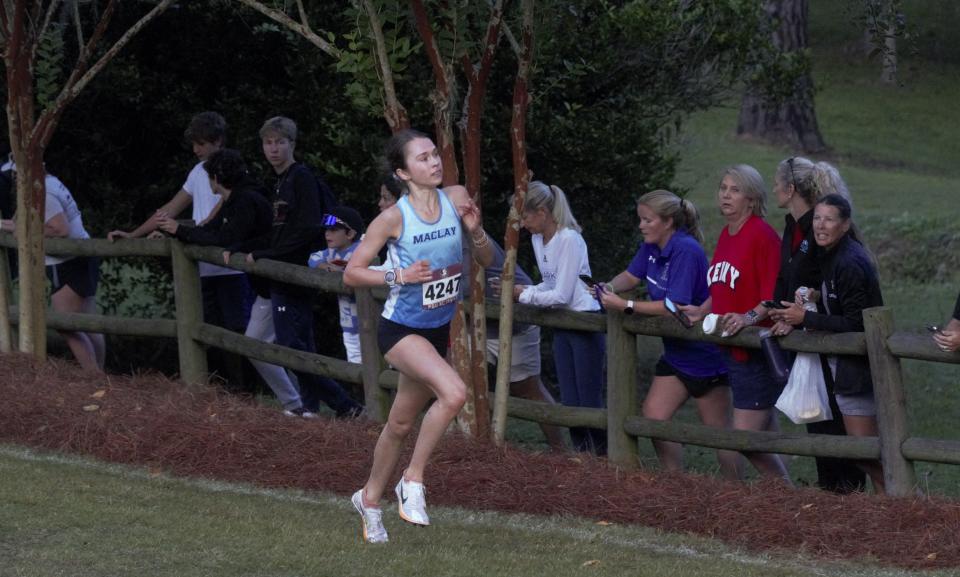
point(673, 264)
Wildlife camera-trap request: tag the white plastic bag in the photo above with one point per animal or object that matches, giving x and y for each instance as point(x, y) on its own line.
point(804, 399)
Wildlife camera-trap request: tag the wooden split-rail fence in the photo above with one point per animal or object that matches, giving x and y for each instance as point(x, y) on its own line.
point(883, 346)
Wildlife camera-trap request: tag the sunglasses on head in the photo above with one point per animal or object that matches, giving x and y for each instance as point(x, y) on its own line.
point(330, 221)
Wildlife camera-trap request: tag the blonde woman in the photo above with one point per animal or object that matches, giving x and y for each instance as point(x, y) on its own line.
point(743, 272)
point(798, 184)
point(672, 263)
point(562, 257)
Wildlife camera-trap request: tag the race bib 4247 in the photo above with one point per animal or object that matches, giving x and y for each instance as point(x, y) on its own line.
point(443, 288)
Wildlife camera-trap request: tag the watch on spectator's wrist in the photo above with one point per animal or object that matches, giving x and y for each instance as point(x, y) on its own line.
point(390, 277)
point(628, 310)
point(752, 317)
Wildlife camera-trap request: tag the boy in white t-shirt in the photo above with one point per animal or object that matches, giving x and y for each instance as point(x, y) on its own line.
point(207, 132)
point(343, 227)
point(227, 296)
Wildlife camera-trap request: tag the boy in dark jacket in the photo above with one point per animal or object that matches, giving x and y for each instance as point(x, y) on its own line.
point(244, 214)
point(298, 210)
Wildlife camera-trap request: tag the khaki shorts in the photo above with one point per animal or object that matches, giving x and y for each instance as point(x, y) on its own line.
point(525, 360)
point(862, 405)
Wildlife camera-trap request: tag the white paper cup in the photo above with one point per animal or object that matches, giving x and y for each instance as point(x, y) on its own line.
point(710, 323)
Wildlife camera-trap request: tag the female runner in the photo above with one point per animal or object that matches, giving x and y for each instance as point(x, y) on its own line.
point(423, 236)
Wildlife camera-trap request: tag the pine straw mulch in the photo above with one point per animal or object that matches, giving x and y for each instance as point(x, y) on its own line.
point(158, 423)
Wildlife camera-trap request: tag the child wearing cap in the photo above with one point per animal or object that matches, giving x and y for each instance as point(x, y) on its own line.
point(342, 230)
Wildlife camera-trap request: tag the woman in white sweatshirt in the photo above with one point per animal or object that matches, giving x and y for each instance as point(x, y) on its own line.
point(562, 258)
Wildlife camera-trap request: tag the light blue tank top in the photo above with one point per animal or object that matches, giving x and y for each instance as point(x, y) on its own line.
point(431, 304)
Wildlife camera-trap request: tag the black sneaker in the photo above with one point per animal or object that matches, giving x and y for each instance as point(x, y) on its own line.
point(352, 412)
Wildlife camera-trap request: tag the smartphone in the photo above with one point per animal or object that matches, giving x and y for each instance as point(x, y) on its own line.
point(338, 262)
point(935, 329)
point(773, 305)
point(588, 280)
point(676, 312)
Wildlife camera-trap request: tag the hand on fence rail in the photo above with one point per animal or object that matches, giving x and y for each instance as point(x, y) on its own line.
point(113, 235)
point(781, 329)
point(948, 339)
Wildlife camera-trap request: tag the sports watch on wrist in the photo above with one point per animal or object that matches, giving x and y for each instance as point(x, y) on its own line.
point(628, 310)
point(390, 277)
point(752, 317)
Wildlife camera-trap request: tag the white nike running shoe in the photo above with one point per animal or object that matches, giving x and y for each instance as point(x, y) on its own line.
point(412, 502)
point(373, 530)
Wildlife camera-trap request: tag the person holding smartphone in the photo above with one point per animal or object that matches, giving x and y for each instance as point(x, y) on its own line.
point(948, 337)
point(798, 184)
point(850, 284)
point(742, 273)
point(562, 257)
point(673, 264)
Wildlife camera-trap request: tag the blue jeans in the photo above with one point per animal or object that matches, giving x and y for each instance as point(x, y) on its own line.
point(293, 323)
point(226, 301)
point(579, 357)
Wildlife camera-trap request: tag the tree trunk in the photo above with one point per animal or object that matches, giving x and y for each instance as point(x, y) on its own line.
point(441, 96)
point(460, 358)
point(521, 178)
point(792, 121)
point(471, 138)
point(477, 356)
point(31, 194)
point(889, 73)
point(442, 99)
point(29, 136)
point(883, 25)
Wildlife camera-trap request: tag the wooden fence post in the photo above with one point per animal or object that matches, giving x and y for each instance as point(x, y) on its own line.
point(6, 297)
point(188, 299)
point(898, 473)
point(376, 398)
point(501, 393)
point(621, 391)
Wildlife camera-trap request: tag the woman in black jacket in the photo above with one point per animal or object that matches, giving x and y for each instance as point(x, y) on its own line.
point(797, 185)
point(850, 284)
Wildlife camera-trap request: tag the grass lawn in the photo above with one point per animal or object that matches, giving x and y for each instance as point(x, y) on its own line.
point(117, 520)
